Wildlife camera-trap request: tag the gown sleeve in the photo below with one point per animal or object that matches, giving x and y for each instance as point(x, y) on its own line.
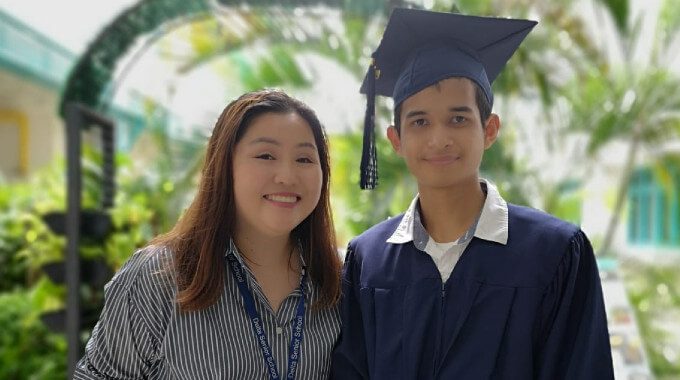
point(349, 357)
point(125, 340)
point(573, 332)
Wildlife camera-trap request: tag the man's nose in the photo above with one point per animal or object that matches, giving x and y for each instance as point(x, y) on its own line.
point(439, 137)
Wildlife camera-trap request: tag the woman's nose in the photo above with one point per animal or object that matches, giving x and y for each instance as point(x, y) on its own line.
point(286, 173)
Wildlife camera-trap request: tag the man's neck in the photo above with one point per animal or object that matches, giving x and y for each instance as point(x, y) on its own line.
point(447, 213)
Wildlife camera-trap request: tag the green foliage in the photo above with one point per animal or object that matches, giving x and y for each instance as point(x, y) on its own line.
point(133, 227)
point(624, 104)
point(500, 166)
point(356, 210)
point(654, 292)
point(471, 7)
point(619, 10)
point(148, 201)
point(27, 349)
point(12, 268)
point(564, 201)
point(667, 173)
point(669, 22)
point(276, 68)
point(25, 241)
point(155, 189)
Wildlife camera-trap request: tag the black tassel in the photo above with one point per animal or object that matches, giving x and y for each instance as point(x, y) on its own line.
point(369, 159)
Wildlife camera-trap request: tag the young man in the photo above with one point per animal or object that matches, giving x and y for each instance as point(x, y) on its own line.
point(462, 285)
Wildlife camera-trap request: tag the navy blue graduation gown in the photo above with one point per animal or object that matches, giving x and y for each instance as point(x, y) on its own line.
point(531, 309)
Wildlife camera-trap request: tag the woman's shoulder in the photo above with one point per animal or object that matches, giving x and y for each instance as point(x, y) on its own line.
point(147, 273)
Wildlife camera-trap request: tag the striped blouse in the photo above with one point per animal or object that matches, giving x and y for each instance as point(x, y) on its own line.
point(141, 333)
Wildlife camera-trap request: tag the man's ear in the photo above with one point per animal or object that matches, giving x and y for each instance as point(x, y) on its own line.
point(493, 125)
point(393, 136)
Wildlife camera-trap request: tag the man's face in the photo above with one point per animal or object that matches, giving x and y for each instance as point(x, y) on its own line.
point(442, 138)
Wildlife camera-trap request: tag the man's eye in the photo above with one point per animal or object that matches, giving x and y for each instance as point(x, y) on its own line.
point(419, 122)
point(459, 119)
point(265, 156)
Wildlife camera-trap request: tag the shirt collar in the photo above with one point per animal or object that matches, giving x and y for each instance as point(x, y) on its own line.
point(493, 221)
point(492, 224)
point(232, 250)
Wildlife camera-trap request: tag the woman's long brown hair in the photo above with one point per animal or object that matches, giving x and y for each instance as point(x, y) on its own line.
point(200, 238)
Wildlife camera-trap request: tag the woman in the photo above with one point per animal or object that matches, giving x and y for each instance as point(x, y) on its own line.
point(245, 285)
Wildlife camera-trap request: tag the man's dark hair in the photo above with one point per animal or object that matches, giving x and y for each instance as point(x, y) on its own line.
point(482, 104)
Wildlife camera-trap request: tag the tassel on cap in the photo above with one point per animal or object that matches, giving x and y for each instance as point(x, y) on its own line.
point(369, 159)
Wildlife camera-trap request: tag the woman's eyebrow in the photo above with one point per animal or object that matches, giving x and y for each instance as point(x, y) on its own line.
point(269, 140)
point(265, 140)
point(306, 145)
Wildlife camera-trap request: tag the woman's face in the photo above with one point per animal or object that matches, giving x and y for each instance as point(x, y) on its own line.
point(277, 175)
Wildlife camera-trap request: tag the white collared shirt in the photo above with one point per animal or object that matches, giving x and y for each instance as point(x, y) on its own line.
point(492, 225)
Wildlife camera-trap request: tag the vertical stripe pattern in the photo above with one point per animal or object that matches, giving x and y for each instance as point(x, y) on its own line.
point(141, 334)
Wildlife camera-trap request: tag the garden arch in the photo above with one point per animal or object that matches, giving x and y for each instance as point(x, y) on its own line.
point(93, 73)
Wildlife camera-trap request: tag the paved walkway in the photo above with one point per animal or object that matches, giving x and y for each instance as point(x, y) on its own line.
point(630, 361)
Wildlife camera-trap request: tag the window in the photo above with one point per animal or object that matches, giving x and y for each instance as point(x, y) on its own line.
point(654, 211)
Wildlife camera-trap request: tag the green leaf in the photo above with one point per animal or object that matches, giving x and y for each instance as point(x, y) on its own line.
point(619, 11)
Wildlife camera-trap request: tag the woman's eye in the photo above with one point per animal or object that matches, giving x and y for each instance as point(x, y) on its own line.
point(305, 160)
point(265, 156)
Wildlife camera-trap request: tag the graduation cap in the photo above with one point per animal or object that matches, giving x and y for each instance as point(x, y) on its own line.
point(420, 48)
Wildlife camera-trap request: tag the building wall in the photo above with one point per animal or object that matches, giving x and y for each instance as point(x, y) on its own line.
point(26, 107)
point(33, 70)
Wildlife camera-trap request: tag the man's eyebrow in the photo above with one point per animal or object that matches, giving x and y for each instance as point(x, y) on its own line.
point(415, 113)
point(460, 109)
point(451, 109)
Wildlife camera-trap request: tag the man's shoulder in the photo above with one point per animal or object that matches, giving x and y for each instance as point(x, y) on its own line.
point(526, 222)
point(379, 233)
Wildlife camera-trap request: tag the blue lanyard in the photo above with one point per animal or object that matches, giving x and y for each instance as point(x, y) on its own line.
point(298, 323)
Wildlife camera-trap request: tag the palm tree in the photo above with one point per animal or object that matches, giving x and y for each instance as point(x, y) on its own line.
point(622, 102)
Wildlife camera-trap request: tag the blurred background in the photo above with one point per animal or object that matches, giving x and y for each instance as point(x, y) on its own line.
point(591, 133)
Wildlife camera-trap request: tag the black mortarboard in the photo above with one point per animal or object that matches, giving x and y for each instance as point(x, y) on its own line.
point(420, 48)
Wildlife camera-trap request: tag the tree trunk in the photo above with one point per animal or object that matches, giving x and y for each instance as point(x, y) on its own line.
point(622, 193)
